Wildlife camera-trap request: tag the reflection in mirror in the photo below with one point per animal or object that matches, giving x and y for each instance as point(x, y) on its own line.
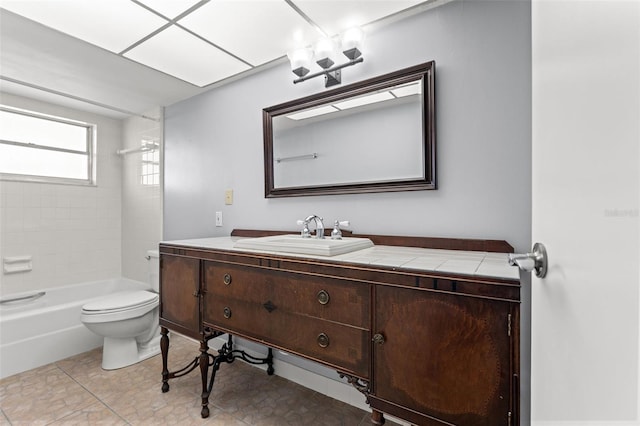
point(372, 136)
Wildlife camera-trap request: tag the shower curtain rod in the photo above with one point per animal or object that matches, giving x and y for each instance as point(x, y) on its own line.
point(76, 98)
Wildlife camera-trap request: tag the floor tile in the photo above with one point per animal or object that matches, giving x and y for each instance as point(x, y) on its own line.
point(45, 396)
point(95, 414)
point(77, 391)
point(4, 421)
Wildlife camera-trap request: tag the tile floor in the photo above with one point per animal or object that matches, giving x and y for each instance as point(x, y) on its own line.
point(77, 391)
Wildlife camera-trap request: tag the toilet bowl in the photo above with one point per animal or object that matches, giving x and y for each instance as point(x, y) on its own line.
point(128, 321)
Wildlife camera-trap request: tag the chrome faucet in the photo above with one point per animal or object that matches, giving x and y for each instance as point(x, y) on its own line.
point(319, 227)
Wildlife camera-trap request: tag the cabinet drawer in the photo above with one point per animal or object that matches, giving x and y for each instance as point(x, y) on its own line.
point(344, 347)
point(342, 301)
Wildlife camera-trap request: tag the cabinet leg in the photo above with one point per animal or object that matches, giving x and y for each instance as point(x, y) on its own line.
point(377, 418)
point(164, 349)
point(204, 372)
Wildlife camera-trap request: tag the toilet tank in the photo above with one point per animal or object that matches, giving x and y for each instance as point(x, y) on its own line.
point(153, 270)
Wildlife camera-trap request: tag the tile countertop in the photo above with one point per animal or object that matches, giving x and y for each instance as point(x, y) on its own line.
point(473, 263)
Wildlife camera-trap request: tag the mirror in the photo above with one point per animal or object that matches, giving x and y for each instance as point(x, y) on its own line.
point(372, 136)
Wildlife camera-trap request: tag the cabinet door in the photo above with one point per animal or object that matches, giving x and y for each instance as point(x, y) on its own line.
point(446, 357)
point(179, 294)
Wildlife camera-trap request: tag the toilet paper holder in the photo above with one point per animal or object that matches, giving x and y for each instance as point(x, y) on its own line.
point(527, 262)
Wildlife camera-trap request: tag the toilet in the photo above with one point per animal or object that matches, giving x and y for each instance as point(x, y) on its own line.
point(128, 321)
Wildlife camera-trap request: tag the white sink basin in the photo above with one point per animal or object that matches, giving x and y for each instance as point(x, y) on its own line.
point(297, 244)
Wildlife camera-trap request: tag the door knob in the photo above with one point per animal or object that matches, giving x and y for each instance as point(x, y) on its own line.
point(527, 262)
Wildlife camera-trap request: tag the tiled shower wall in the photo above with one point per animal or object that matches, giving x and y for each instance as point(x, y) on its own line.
point(73, 233)
point(141, 198)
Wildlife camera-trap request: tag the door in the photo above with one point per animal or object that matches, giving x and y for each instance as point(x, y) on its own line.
point(586, 187)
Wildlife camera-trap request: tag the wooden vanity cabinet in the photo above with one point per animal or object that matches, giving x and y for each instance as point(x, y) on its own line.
point(442, 358)
point(180, 294)
point(428, 347)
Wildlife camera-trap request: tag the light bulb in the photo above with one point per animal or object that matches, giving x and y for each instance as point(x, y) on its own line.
point(300, 60)
point(352, 41)
point(325, 52)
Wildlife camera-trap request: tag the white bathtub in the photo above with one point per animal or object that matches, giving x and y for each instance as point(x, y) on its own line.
point(47, 329)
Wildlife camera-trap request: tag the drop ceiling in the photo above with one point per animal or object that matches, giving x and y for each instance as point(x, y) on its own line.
point(126, 56)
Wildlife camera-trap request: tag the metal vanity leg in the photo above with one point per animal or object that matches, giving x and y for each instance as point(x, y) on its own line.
point(377, 417)
point(226, 354)
point(269, 361)
point(164, 348)
point(204, 373)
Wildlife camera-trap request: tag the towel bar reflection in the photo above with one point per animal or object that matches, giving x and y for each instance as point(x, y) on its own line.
point(298, 157)
point(147, 146)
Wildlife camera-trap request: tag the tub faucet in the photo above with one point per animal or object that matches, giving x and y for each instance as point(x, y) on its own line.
point(319, 227)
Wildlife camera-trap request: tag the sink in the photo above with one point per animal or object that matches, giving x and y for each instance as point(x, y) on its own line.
point(298, 245)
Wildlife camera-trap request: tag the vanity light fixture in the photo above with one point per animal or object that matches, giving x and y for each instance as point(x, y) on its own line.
point(324, 54)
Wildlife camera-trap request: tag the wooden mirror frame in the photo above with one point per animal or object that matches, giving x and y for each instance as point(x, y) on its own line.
point(425, 72)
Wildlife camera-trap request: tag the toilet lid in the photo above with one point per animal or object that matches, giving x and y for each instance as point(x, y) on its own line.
point(122, 300)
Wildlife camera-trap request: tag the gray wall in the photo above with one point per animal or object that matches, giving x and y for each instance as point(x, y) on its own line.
point(482, 51)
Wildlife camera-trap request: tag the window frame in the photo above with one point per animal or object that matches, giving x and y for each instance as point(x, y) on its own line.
point(90, 152)
point(145, 143)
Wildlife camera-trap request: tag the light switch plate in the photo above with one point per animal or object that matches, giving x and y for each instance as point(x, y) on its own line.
point(218, 218)
point(228, 197)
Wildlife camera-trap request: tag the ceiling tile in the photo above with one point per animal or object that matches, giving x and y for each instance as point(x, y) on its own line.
point(256, 31)
point(169, 8)
point(178, 53)
point(335, 16)
point(113, 25)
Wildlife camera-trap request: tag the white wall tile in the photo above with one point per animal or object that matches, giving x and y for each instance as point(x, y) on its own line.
point(66, 228)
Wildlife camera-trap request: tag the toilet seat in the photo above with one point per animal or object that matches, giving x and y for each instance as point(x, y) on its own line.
point(120, 306)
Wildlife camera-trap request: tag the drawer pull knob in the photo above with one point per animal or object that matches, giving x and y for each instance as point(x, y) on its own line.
point(323, 340)
point(226, 312)
point(227, 279)
point(323, 297)
point(195, 293)
point(378, 339)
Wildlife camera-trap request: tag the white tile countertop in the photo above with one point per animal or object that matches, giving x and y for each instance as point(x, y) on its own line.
point(473, 263)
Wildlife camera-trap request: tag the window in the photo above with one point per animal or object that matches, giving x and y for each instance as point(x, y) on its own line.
point(150, 172)
point(43, 148)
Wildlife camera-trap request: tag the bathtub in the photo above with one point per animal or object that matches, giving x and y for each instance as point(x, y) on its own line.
point(38, 331)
